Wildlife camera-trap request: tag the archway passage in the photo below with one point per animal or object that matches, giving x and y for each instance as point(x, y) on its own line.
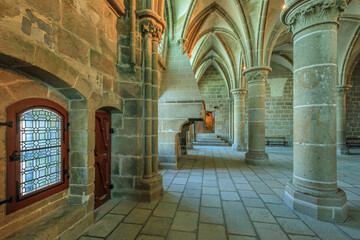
point(209, 121)
point(102, 158)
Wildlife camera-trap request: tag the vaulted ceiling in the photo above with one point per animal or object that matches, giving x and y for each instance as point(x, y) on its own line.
point(233, 34)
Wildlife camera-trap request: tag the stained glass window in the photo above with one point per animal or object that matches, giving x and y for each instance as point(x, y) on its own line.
point(40, 149)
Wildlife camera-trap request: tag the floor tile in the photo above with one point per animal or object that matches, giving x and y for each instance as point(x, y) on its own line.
point(211, 215)
point(138, 216)
point(185, 221)
point(157, 226)
point(230, 196)
point(103, 227)
point(270, 231)
point(295, 226)
point(211, 232)
point(210, 201)
point(260, 215)
point(125, 231)
point(189, 204)
point(165, 210)
point(176, 235)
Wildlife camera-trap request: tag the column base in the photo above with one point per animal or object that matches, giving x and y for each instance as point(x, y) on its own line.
point(257, 158)
point(239, 148)
point(342, 150)
point(148, 189)
point(330, 206)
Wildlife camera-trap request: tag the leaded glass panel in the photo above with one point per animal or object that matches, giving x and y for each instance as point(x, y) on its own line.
point(40, 149)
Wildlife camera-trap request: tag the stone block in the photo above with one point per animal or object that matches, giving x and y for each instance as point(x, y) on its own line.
point(78, 175)
point(54, 64)
point(102, 63)
point(128, 145)
point(26, 26)
point(72, 46)
point(8, 9)
point(122, 183)
point(79, 141)
point(76, 23)
point(28, 89)
point(130, 166)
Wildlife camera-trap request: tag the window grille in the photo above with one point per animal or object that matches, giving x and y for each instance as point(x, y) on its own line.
point(37, 149)
point(40, 149)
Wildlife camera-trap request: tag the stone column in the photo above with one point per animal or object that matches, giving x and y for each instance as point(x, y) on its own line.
point(231, 120)
point(239, 119)
point(256, 78)
point(341, 119)
point(155, 97)
point(148, 30)
point(313, 190)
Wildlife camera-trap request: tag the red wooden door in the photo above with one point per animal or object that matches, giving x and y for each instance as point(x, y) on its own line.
point(102, 158)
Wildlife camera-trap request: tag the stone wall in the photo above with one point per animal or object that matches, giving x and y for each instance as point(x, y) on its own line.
point(279, 103)
point(215, 93)
point(180, 102)
point(66, 51)
point(13, 88)
point(353, 105)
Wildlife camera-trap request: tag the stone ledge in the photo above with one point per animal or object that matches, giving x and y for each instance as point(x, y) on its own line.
point(51, 225)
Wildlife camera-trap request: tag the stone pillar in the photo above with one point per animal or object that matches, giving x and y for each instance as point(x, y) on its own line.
point(256, 78)
point(239, 119)
point(148, 29)
point(231, 120)
point(313, 190)
point(341, 119)
point(155, 97)
point(149, 186)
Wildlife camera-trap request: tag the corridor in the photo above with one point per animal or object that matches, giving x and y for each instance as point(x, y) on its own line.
point(217, 196)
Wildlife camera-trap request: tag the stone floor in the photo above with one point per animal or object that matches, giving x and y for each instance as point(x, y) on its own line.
point(217, 196)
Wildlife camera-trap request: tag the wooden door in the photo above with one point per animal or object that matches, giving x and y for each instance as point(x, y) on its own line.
point(102, 158)
point(209, 122)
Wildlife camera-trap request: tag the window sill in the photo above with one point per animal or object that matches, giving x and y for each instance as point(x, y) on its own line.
point(53, 224)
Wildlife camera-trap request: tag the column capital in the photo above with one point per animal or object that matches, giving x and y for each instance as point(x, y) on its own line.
point(257, 74)
point(343, 89)
point(240, 92)
point(152, 27)
point(301, 14)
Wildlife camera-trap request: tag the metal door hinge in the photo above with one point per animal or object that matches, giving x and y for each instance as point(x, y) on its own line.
point(112, 130)
point(7, 124)
point(7, 200)
point(14, 157)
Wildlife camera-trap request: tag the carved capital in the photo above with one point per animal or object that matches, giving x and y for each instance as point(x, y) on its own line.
point(343, 90)
point(238, 93)
point(257, 74)
point(157, 35)
point(148, 27)
point(302, 14)
point(184, 43)
point(152, 23)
